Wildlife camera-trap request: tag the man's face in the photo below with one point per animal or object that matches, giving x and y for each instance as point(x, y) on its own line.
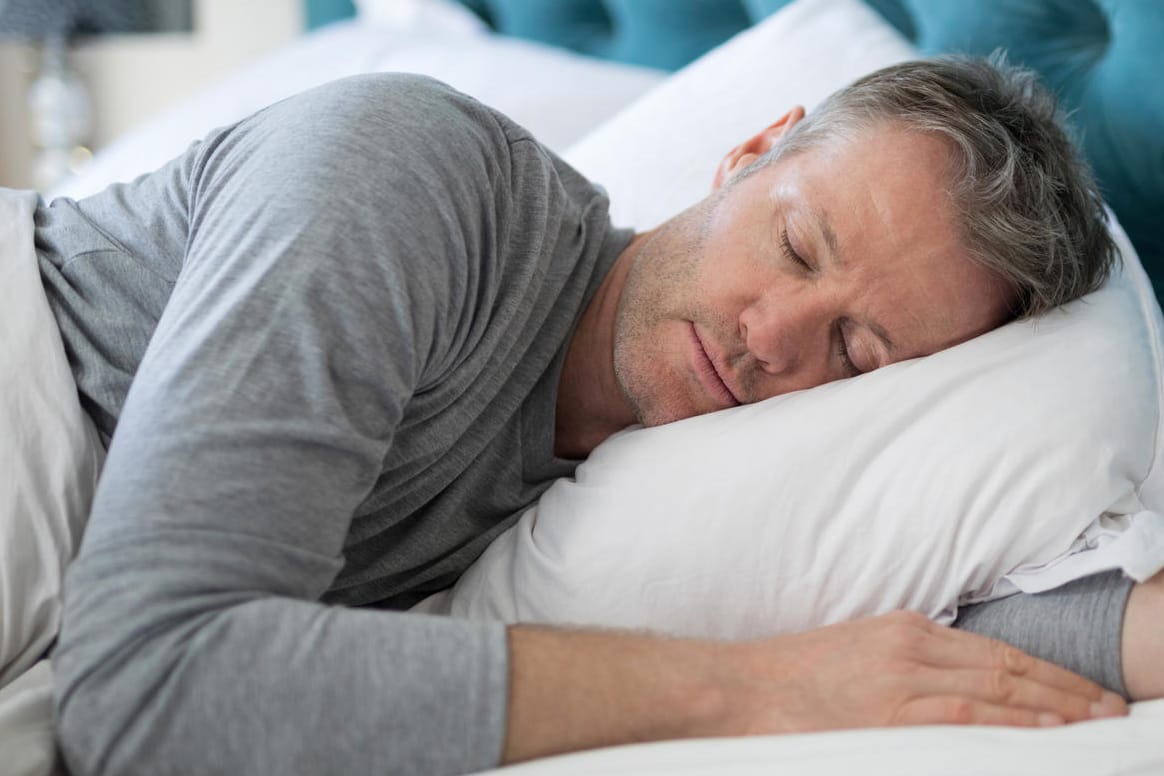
point(820, 266)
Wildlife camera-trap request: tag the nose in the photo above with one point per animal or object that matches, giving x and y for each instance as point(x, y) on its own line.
point(789, 338)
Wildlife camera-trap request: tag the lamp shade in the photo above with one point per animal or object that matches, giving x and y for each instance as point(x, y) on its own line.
point(38, 19)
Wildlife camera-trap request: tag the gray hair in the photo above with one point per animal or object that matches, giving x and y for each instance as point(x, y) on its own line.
point(1029, 206)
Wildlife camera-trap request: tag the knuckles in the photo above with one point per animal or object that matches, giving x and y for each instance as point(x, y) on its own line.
point(1000, 686)
point(1013, 660)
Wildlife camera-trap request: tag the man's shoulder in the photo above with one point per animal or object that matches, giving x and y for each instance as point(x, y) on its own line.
point(410, 101)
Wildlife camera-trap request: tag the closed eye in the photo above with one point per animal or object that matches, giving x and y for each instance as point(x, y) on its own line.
point(842, 352)
point(791, 253)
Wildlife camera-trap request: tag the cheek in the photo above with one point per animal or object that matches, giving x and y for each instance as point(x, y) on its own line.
point(667, 274)
point(742, 258)
point(649, 364)
point(734, 281)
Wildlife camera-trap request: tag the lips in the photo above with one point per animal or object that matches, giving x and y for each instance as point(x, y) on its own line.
point(709, 373)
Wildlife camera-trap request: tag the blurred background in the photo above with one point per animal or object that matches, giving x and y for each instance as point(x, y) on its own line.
point(124, 61)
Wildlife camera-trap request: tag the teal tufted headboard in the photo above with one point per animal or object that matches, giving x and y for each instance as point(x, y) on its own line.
point(1101, 57)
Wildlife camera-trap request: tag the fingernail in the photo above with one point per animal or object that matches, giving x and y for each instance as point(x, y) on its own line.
point(1110, 705)
point(1047, 719)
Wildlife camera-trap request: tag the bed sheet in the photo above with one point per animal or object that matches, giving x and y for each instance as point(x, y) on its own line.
point(1131, 746)
point(26, 725)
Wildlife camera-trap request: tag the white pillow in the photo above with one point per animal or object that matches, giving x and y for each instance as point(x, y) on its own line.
point(918, 486)
point(50, 455)
point(27, 732)
point(446, 16)
point(557, 95)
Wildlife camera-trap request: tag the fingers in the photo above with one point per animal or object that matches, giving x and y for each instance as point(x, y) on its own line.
point(960, 649)
point(954, 710)
point(1000, 688)
point(976, 668)
point(900, 668)
point(1057, 681)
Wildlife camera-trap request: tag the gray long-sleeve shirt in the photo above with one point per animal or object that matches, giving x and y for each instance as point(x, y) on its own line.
point(356, 305)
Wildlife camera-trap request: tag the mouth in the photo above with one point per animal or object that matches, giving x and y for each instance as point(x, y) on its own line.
point(710, 375)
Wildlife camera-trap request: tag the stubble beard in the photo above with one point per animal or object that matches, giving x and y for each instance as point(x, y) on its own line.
point(659, 290)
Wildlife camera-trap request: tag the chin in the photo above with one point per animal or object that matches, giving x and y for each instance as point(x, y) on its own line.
point(661, 413)
point(651, 378)
point(659, 398)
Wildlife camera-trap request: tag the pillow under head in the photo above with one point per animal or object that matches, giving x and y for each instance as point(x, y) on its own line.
point(919, 485)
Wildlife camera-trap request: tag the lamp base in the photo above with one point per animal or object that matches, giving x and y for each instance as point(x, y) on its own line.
point(61, 117)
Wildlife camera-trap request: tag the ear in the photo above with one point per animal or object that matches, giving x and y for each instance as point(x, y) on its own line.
point(754, 147)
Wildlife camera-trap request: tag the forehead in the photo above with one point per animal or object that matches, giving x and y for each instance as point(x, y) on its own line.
point(876, 214)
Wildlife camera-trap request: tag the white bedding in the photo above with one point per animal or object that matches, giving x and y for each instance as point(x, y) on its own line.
point(50, 457)
point(1132, 746)
point(26, 725)
point(557, 95)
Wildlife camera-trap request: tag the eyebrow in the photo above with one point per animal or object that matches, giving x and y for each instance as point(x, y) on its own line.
point(830, 237)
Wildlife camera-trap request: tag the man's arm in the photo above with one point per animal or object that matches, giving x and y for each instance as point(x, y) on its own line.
point(574, 690)
point(258, 422)
point(1104, 627)
point(1143, 640)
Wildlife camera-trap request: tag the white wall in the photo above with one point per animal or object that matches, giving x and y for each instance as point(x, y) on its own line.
point(133, 77)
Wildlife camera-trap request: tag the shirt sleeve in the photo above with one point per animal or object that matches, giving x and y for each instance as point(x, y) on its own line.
point(306, 309)
point(1078, 626)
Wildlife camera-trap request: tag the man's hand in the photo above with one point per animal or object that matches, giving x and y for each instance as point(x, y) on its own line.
point(903, 669)
point(1143, 640)
point(574, 690)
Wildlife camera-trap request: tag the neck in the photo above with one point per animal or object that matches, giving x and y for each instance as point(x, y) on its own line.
point(591, 404)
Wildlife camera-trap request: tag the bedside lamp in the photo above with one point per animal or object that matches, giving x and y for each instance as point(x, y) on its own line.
point(58, 99)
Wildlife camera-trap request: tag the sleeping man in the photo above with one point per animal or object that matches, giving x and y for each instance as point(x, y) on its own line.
point(337, 348)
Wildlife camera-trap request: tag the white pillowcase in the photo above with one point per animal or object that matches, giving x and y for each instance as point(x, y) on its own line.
point(50, 455)
point(916, 486)
point(446, 16)
point(27, 732)
point(557, 95)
